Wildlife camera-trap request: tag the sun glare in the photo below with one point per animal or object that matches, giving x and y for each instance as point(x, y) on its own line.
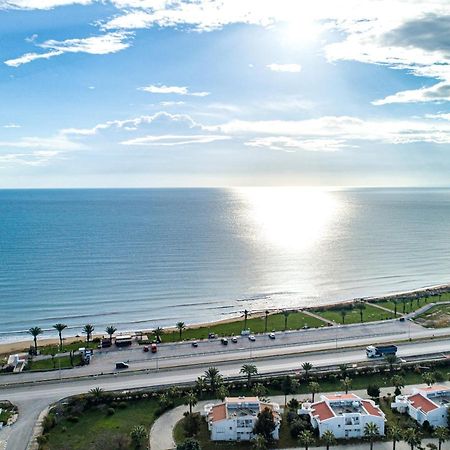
point(292, 218)
point(299, 31)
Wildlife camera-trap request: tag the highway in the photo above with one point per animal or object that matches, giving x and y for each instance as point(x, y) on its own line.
point(181, 363)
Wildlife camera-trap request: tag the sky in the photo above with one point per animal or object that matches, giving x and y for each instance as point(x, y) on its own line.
point(171, 93)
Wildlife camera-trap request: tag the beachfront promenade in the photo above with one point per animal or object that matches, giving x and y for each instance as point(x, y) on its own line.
point(181, 363)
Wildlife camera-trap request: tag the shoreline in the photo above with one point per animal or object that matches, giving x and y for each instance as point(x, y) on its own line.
point(10, 347)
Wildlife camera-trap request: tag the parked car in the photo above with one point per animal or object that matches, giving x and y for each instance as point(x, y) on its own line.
point(251, 337)
point(194, 344)
point(154, 348)
point(234, 339)
point(272, 335)
point(122, 365)
point(224, 341)
point(146, 349)
point(211, 336)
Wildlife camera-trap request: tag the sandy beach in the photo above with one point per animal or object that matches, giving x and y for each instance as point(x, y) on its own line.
point(23, 345)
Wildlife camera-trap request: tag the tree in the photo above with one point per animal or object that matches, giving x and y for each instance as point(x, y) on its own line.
point(395, 303)
point(191, 424)
point(343, 313)
point(441, 433)
point(343, 368)
point(361, 306)
point(306, 439)
point(53, 353)
point(158, 332)
point(189, 444)
point(395, 433)
point(249, 370)
point(412, 437)
point(265, 424)
point(138, 436)
point(329, 438)
point(286, 315)
point(201, 385)
point(222, 392)
point(307, 367)
point(266, 317)
point(60, 327)
point(391, 360)
point(245, 318)
point(287, 387)
point(346, 384)
point(314, 388)
point(260, 442)
point(191, 400)
point(213, 377)
point(181, 326)
point(428, 378)
point(399, 384)
point(88, 329)
point(110, 330)
point(260, 391)
point(35, 332)
point(371, 432)
point(373, 391)
point(96, 394)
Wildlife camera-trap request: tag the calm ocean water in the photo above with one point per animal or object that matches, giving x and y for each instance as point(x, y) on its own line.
point(148, 257)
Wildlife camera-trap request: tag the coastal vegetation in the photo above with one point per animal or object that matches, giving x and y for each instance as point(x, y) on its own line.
point(437, 316)
point(355, 312)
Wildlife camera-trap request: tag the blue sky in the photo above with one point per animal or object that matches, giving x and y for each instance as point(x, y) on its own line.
point(224, 93)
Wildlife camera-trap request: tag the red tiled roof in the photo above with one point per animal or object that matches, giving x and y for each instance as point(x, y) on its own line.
point(322, 410)
point(419, 401)
point(218, 412)
point(371, 409)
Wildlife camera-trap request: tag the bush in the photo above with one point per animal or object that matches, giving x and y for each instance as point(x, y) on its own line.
point(48, 423)
point(42, 439)
point(73, 419)
point(122, 405)
point(110, 411)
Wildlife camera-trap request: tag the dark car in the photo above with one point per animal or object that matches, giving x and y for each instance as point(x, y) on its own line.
point(224, 341)
point(122, 365)
point(194, 344)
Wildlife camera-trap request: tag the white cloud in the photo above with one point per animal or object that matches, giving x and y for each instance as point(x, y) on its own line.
point(172, 140)
point(95, 45)
point(172, 103)
point(290, 144)
point(40, 4)
point(178, 90)
point(292, 68)
point(437, 93)
point(56, 143)
point(11, 125)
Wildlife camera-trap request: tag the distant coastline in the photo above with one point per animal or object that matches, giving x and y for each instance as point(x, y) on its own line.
point(10, 346)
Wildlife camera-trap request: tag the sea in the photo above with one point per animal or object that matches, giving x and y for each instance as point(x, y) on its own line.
point(142, 258)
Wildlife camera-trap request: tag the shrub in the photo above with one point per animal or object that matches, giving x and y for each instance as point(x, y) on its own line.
point(122, 405)
point(73, 419)
point(110, 411)
point(48, 423)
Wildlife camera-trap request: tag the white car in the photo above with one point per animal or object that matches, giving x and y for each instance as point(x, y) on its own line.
point(272, 335)
point(251, 337)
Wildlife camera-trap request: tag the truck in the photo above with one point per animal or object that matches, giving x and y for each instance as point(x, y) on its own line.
point(378, 351)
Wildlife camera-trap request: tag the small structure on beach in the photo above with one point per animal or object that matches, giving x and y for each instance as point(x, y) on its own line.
point(345, 415)
point(430, 404)
point(234, 419)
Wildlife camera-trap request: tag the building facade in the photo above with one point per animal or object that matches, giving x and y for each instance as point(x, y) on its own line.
point(345, 415)
point(234, 419)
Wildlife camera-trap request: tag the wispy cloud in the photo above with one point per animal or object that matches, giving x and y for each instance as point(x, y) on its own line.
point(439, 92)
point(177, 90)
point(94, 45)
point(290, 144)
point(40, 4)
point(292, 68)
point(172, 140)
point(12, 125)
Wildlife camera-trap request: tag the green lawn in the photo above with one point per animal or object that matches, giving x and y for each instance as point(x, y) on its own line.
point(370, 314)
point(95, 425)
point(296, 320)
point(48, 364)
point(409, 306)
point(49, 349)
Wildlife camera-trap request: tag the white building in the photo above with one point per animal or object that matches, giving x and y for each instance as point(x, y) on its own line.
point(425, 404)
point(345, 415)
point(235, 418)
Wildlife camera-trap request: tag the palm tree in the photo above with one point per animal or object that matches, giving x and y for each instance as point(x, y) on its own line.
point(306, 366)
point(395, 433)
point(391, 360)
point(35, 332)
point(343, 314)
point(181, 326)
point(249, 370)
point(371, 432)
point(441, 433)
point(361, 306)
point(412, 437)
point(329, 438)
point(138, 436)
point(346, 383)
point(428, 378)
point(266, 317)
point(399, 383)
point(158, 332)
point(314, 388)
point(190, 400)
point(60, 327)
point(286, 315)
point(222, 392)
point(97, 394)
point(343, 368)
point(88, 329)
point(395, 302)
point(201, 385)
point(212, 375)
point(306, 439)
point(110, 330)
point(245, 318)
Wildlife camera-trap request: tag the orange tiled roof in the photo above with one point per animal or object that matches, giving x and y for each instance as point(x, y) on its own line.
point(372, 410)
point(218, 412)
point(420, 401)
point(322, 410)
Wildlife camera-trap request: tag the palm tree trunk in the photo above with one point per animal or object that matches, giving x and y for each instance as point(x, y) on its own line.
point(190, 408)
point(35, 345)
point(60, 341)
point(394, 442)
